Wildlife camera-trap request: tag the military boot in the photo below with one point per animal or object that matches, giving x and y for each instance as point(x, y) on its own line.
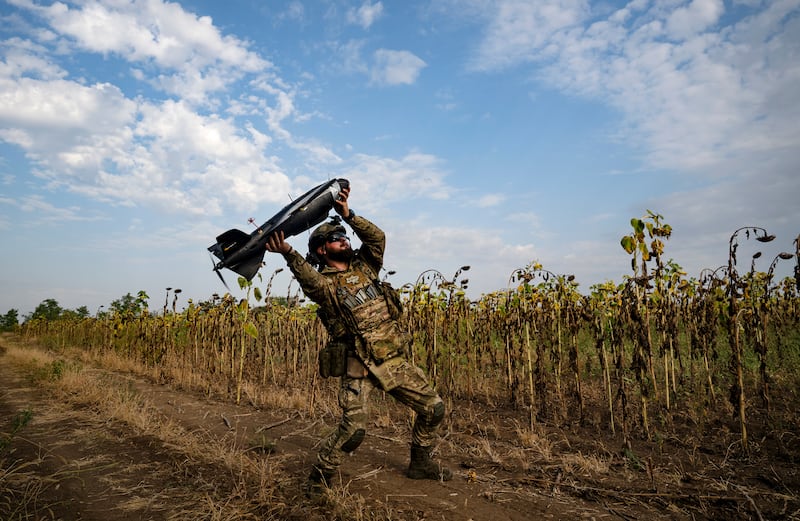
point(318, 481)
point(423, 467)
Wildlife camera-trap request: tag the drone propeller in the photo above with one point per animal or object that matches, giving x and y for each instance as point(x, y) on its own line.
point(217, 271)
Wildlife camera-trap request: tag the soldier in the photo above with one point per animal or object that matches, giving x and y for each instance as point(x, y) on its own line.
point(362, 326)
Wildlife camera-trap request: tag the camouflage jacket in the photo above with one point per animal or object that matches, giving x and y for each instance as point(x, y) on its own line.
point(351, 304)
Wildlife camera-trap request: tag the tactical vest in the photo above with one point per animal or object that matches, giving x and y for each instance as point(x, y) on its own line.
point(365, 309)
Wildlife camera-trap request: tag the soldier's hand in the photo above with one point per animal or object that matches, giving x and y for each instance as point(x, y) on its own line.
point(340, 204)
point(277, 244)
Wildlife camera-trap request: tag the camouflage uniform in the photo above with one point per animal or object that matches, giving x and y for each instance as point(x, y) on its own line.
point(355, 312)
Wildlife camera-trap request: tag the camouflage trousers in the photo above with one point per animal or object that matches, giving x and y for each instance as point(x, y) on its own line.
point(407, 384)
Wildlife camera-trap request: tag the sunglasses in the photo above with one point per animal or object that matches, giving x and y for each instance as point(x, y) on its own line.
point(336, 237)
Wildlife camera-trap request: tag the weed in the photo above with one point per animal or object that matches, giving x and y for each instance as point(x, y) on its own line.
point(18, 422)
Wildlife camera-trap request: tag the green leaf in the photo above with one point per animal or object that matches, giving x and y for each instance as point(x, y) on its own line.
point(628, 244)
point(638, 225)
point(251, 330)
point(257, 293)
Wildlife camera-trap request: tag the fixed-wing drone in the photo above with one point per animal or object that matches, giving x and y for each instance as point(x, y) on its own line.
point(243, 252)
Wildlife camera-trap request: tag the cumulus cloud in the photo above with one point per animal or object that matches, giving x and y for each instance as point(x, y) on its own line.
point(517, 29)
point(386, 68)
point(94, 141)
point(182, 154)
point(395, 67)
point(25, 58)
point(691, 93)
point(185, 155)
point(694, 18)
point(387, 180)
point(163, 34)
point(61, 120)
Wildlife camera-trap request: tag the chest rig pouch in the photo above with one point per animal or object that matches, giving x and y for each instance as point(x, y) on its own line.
point(379, 337)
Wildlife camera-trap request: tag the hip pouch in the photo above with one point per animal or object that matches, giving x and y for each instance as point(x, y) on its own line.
point(333, 359)
point(389, 342)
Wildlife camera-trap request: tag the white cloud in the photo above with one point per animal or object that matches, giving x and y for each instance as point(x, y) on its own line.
point(518, 29)
point(388, 67)
point(383, 181)
point(395, 67)
point(690, 97)
point(366, 14)
point(25, 58)
point(161, 33)
point(94, 141)
point(151, 30)
point(68, 128)
point(283, 108)
point(694, 18)
point(63, 104)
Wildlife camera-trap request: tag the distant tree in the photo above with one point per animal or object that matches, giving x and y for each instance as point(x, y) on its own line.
point(130, 305)
point(81, 312)
point(10, 320)
point(124, 304)
point(47, 310)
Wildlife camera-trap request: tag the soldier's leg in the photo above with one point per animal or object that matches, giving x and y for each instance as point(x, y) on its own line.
point(353, 396)
point(414, 390)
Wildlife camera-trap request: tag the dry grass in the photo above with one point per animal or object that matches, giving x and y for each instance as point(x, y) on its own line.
point(484, 439)
point(111, 399)
point(255, 485)
point(536, 440)
point(21, 488)
point(584, 464)
point(183, 376)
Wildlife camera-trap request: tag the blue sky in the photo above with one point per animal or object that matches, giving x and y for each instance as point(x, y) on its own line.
point(489, 133)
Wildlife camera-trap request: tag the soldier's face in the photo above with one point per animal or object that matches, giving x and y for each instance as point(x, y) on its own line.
point(337, 247)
